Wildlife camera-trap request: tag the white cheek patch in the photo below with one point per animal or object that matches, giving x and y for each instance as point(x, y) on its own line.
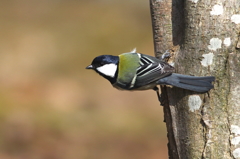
point(108, 69)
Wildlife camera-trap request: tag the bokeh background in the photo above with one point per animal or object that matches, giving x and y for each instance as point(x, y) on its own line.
point(50, 106)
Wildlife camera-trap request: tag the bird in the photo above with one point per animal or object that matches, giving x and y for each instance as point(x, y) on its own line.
point(136, 71)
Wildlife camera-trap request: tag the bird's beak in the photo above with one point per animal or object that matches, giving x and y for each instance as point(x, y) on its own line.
point(90, 67)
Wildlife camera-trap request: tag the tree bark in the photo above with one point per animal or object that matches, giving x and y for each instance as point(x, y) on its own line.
point(203, 37)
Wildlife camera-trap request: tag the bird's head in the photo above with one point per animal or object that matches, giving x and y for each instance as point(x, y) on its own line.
point(106, 66)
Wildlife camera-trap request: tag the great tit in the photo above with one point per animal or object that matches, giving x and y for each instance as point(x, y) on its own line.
point(136, 71)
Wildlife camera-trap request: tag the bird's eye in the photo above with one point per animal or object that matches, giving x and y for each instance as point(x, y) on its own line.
point(99, 64)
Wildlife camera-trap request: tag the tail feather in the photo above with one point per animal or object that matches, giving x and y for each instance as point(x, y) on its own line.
point(197, 84)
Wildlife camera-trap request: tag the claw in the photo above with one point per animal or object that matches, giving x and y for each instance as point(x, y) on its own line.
point(166, 56)
point(158, 94)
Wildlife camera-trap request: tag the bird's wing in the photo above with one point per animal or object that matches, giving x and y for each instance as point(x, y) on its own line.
point(151, 70)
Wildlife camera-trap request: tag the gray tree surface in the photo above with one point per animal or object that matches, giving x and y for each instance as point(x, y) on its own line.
point(204, 39)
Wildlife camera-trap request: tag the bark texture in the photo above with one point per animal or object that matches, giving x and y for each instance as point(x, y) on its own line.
point(206, 35)
point(162, 36)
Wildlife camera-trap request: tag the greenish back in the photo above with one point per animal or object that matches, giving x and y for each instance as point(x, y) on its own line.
point(127, 68)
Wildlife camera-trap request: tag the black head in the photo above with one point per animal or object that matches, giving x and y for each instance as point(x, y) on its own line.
point(103, 60)
point(106, 66)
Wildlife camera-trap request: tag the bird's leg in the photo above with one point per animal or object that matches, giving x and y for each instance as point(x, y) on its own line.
point(158, 94)
point(165, 56)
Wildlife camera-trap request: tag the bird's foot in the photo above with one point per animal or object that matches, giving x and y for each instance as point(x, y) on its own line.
point(156, 89)
point(165, 56)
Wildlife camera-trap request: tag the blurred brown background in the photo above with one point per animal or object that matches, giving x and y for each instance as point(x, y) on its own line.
point(50, 106)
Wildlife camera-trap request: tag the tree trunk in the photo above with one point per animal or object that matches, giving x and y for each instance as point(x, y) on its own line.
point(203, 37)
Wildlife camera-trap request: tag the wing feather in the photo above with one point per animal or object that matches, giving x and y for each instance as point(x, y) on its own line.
point(151, 70)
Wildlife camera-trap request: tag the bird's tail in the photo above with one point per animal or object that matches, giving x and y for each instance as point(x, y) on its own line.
point(193, 83)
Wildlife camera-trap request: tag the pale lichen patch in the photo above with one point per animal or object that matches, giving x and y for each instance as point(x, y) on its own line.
point(235, 141)
point(194, 1)
point(235, 129)
point(215, 43)
point(227, 41)
point(207, 59)
point(217, 10)
point(236, 153)
point(194, 102)
point(235, 18)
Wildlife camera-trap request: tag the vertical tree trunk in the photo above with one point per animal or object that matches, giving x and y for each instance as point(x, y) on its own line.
point(204, 41)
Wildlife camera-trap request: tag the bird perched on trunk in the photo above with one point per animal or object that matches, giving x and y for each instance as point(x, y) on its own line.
point(136, 71)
